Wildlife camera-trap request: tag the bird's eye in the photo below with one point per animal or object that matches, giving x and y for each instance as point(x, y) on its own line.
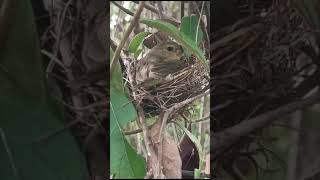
point(170, 48)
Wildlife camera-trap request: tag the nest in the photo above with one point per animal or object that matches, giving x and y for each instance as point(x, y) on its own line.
point(186, 83)
point(256, 62)
point(260, 63)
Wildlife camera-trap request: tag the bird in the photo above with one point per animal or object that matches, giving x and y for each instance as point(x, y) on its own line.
point(159, 63)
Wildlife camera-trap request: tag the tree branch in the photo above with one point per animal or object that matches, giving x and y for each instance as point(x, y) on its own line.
point(151, 8)
point(165, 115)
point(123, 9)
point(229, 136)
point(126, 35)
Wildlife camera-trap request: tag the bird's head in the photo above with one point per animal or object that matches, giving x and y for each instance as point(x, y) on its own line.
point(168, 50)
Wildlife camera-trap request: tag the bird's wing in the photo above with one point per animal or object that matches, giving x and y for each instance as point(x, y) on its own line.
point(168, 67)
point(142, 71)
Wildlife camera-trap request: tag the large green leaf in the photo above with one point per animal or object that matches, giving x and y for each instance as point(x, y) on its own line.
point(189, 26)
point(28, 152)
point(25, 116)
point(20, 59)
point(125, 162)
point(179, 36)
point(116, 80)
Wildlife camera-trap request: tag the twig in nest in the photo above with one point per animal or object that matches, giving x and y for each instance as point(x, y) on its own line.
point(54, 59)
point(59, 25)
point(85, 108)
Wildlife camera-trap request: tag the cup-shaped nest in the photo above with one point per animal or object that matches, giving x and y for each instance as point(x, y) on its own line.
point(184, 84)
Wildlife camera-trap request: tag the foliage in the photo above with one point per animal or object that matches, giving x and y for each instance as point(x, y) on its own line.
point(28, 148)
point(125, 162)
point(189, 26)
point(123, 156)
point(310, 10)
point(136, 42)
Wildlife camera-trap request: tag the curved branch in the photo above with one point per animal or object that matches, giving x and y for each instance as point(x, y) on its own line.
point(229, 136)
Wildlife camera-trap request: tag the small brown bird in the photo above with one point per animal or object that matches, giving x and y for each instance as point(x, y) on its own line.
point(161, 61)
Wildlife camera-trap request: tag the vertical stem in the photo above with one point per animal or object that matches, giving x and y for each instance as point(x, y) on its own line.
point(182, 9)
point(125, 37)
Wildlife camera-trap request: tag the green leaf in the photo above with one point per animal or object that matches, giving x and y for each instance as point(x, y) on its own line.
point(125, 162)
point(137, 41)
point(179, 36)
point(25, 116)
point(311, 8)
point(23, 155)
point(197, 174)
point(20, 60)
point(116, 78)
point(137, 53)
point(194, 139)
point(189, 26)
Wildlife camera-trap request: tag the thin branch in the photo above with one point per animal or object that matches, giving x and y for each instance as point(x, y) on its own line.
point(201, 119)
point(164, 119)
point(59, 28)
point(135, 131)
point(175, 107)
point(151, 8)
point(159, 3)
point(229, 136)
point(166, 116)
point(126, 35)
point(83, 108)
point(54, 59)
point(182, 9)
point(144, 129)
point(123, 9)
